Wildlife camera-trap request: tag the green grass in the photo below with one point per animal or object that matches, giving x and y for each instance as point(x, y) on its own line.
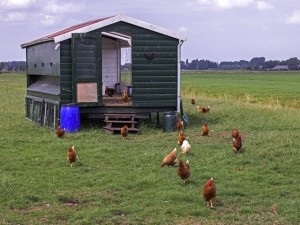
point(273, 88)
point(119, 181)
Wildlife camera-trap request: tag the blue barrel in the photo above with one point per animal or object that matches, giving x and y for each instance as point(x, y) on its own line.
point(169, 120)
point(70, 118)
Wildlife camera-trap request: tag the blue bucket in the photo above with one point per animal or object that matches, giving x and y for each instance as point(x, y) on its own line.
point(169, 121)
point(70, 118)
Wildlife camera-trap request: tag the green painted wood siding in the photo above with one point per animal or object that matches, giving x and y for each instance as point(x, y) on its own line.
point(153, 84)
point(66, 89)
point(155, 81)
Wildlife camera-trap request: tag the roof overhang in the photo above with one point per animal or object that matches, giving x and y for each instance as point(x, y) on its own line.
point(124, 40)
point(93, 25)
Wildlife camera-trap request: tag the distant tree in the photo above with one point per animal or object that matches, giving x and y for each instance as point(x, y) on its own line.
point(270, 64)
point(257, 62)
point(293, 63)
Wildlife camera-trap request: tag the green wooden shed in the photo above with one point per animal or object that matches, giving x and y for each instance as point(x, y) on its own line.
point(76, 65)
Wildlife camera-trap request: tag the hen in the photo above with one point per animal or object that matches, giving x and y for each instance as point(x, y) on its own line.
point(170, 159)
point(193, 101)
point(180, 125)
point(124, 96)
point(205, 129)
point(235, 133)
point(237, 144)
point(72, 156)
point(203, 109)
point(183, 171)
point(209, 192)
point(180, 138)
point(109, 91)
point(124, 131)
point(60, 132)
point(185, 147)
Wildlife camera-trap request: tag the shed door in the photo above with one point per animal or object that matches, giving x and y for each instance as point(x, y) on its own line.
point(87, 82)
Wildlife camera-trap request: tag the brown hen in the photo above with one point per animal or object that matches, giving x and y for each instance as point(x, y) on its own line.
point(181, 138)
point(203, 109)
point(180, 125)
point(170, 159)
point(209, 192)
point(237, 144)
point(235, 133)
point(124, 96)
point(205, 129)
point(60, 132)
point(183, 170)
point(72, 156)
point(124, 131)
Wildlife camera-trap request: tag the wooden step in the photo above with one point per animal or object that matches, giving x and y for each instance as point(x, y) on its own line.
point(119, 115)
point(114, 129)
point(120, 121)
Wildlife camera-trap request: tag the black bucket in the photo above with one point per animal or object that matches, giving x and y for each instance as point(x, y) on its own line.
point(169, 120)
point(118, 88)
point(129, 91)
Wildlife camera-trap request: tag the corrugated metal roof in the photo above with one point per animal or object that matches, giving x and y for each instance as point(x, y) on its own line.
point(98, 23)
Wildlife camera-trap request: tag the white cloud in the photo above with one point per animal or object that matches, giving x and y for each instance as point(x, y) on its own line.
point(16, 4)
point(13, 17)
point(56, 8)
point(219, 4)
point(183, 30)
point(227, 4)
point(260, 5)
point(294, 18)
point(48, 20)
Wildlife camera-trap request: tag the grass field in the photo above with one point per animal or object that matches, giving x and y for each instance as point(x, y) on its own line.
point(272, 88)
point(119, 181)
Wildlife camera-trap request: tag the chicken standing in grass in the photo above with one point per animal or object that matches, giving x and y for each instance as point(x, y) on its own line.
point(235, 133)
point(185, 147)
point(205, 129)
point(124, 131)
point(183, 171)
point(193, 101)
point(209, 192)
point(60, 132)
point(170, 159)
point(237, 144)
point(180, 125)
point(181, 138)
point(72, 156)
point(203, 109)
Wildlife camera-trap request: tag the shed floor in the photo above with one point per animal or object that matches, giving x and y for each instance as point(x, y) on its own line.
point(115, 100)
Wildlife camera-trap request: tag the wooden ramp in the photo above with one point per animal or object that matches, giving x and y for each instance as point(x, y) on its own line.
point(114, 122)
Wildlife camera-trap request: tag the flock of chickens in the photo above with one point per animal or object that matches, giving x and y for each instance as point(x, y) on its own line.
point(183, 170)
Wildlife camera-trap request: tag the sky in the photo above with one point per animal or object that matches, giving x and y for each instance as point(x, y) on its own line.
point(216, 30)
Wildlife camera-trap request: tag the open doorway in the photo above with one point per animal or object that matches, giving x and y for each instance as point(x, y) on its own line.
point(116, 67)
point(126, 71)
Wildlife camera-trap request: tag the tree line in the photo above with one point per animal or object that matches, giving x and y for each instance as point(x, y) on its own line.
point(12, 66)
point(256, 63)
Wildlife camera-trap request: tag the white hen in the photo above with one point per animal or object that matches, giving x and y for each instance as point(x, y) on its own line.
point(185, 147)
